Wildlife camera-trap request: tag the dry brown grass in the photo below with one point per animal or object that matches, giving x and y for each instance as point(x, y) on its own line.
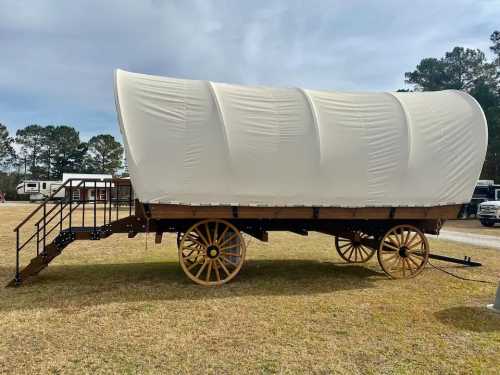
point(113, 306)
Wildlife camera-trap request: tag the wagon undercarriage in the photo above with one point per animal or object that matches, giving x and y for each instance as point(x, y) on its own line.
point(209, 248)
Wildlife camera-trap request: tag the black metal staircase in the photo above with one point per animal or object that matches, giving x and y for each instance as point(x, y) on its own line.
point(92, 209)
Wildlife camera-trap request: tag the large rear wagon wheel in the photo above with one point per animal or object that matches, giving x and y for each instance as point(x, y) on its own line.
point(212, 252)
point(352, 250)
point(403, 252)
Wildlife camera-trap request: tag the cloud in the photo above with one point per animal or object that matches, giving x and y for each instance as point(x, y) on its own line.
point(58, 57)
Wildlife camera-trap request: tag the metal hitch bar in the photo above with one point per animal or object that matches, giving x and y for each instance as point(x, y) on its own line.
point(466, 261)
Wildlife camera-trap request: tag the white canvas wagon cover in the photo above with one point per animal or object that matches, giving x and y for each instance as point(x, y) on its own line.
point(205, 143)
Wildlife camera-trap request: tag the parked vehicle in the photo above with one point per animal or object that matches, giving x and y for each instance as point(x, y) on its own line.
point(489, 213)
point(39, 190)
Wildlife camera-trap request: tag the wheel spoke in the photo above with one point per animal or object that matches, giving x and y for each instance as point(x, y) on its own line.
point(415, 236)
point(408, 233)
point(202, 268)
point(409, 265)
point(393, 256)
point(344, 245)
point(217, 275)
point(365, 251)
point(188, 256)
point(208, 233)
point(223, 267)
point(229, 247)
point(351, 254)
point(228, 261)
point(216, 229)
point(395, 264)
point(196, 242)
point(229, 239)
point(396, 242)
point(195, 247)
point(230, 254)
point(347, 250)
point(192, 265)
point(390, 246)
point(416, 245)
point(222, 235)
point(202, 237)
point(209, 272)
point(410, 256)
point(402, 234)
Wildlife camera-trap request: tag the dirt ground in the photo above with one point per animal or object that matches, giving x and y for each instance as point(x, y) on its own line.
point(113, 306)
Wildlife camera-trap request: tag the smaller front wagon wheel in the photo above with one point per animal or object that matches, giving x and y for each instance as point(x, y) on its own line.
point(403, 252)
point(354, 250)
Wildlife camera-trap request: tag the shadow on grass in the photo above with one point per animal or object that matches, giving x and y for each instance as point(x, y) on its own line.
point(62, 286)
point(476, 319)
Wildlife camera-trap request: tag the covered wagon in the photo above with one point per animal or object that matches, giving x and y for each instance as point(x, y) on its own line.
point(210, 161)
point(376, 170)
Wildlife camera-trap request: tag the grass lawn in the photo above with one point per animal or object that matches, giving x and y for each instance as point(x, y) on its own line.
point(114, 306)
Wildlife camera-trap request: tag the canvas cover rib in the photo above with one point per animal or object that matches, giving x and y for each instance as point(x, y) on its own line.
point(206, 143)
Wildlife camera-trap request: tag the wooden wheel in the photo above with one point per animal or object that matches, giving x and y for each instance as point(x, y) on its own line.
point(212, 252)
point(403, 252)
point(352, 250)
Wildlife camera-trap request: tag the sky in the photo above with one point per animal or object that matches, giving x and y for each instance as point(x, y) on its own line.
point(57, 57)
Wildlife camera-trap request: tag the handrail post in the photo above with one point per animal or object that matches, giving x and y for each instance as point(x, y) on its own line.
point(61, 216)
point(117, 203)
point(37, 239)
point(95, 204)
point(18, 279)
point(44, 224)
point(70, 202)
point(105, 199)
point(110, 203)
point(83, 209)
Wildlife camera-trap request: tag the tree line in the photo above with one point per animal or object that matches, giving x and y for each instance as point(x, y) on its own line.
point(46, 152)
point(471, 71)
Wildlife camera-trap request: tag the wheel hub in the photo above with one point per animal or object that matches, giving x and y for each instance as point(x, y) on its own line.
point(403, 251)
point(213, 251)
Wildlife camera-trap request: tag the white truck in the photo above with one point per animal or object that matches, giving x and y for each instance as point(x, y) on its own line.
point(489, 213)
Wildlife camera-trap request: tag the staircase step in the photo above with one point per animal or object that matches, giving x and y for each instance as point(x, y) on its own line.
point(37, 264)
point(81, 229)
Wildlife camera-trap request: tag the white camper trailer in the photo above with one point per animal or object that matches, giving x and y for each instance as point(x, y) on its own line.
point(38, 190)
